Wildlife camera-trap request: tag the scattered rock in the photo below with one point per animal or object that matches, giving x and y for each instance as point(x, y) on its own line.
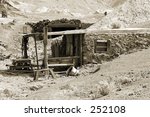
point(53, 82)
point(35, 88)
point(102, 74)
point(144, 86)
point(104, 88)
point(130, 94)
point(118, 89)
point(125, 80)
point(66, 87)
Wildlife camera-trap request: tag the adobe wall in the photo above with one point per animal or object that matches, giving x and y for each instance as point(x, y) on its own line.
point(120, 44)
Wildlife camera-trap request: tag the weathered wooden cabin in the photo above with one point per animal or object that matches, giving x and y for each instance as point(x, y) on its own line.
point(71, 44)
point(64, 54)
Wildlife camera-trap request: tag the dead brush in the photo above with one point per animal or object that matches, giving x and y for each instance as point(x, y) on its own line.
point(101, 89)
point(104, 88)
point(124, 80)
point(115, 26)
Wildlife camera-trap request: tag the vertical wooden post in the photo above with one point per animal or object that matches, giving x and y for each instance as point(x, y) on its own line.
point(76, 47)
point(35, 37)
point(50, 30)
point(69, 49)
point(24, 29)
point(81, 48)
point(25, 47)
point(108, 45)
point(71, 44)
point(67, 45)
point(45, 47)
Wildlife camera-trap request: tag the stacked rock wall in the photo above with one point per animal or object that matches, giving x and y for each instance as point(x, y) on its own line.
point(120, 44)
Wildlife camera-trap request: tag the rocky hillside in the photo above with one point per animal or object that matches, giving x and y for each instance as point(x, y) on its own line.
point(131, 12)
point(71, 6)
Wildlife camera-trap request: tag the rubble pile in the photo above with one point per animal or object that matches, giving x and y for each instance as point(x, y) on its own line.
point(38, 27)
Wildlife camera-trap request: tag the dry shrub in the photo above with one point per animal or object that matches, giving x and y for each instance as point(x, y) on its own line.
point(125, 80)
point(35, 87)
point(66, 87)
point(115, 26)
point(6, 93)
point(101, 89)
point(104, 88)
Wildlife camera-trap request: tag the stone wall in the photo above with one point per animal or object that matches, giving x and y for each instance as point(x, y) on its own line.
point(120, 44)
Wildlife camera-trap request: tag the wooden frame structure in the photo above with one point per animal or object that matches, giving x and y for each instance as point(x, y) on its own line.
point(77, 36)
point(79, 33)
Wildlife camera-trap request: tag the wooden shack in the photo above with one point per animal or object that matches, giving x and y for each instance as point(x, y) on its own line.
point(65, 54)
point(71, 45)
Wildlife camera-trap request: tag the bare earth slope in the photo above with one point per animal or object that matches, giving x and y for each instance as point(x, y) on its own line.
point(126, 77)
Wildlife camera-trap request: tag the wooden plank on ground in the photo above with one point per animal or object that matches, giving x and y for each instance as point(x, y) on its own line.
point(59, 65)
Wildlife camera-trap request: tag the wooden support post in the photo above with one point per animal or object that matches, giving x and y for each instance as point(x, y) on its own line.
point(81, 48)
point(69, 47)
point(24, 29)
point(52, 73)
point(76, 41)
point(108, 45)
point(25, 47)
point(71, 44)
point(47, 71)
point(36, 74)
point(45, 47)
point(35, 37)
point(50, 30)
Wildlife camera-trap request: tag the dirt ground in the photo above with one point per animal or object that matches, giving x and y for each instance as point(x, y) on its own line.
point(123, 78)
point(126, 77)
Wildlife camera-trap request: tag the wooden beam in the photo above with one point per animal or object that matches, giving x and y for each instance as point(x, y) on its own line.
point(108, 31)
point(70, 57)
point(45, 47)
point(68, 32)
point(59, 65)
